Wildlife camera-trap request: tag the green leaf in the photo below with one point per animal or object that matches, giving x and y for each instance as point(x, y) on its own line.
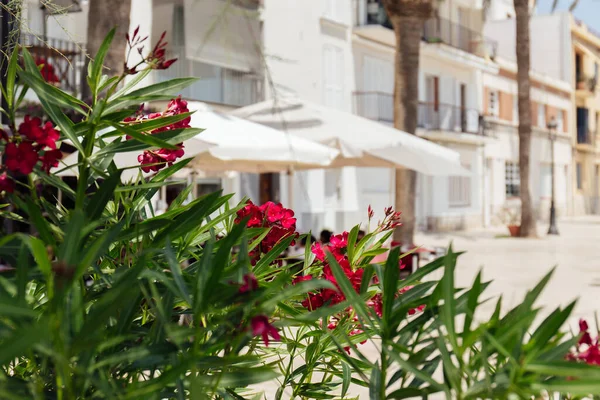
point(20, 341)
point(448, 309)
point(342, 280)
point(408, 393)
point(569, 369)
point(352, 243)
point(174, 136)
point(574, 388)
point(177, 274)
point(146, 125)
point(96, 70)
point(11, 75)
point(103, 195)
point(347, 378)
point(241, 377)
point(390, 285)
point(52, 94)
point(150, 140)
point(41, 224)
point(375, 384)
point(157, 91)
point(40, 254)
point(69, 249)
point(548, 330)
point(472, 303)
point(131, 84)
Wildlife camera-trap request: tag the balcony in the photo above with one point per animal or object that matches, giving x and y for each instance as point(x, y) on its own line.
point(217, 84)
point(438, 30)
point(62, 60)
point(586, 85)
point(379, 106)
point(585, 136)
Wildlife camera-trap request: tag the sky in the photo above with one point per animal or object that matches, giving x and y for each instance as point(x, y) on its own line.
point(587, 10)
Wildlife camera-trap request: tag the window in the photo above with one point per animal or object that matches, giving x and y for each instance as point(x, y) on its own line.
point(333, 76)
point(334, 9)
point(512, 180)
point(559, 121)
point(579, 175)
point(541, 116)
point(493, 106)
point(459, 190)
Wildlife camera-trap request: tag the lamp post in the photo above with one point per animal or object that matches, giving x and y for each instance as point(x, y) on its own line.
point(552, 229)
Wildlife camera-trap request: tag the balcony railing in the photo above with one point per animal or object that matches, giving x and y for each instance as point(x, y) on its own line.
point(585, 136)
point(430, 116)
point(439, 30)
point(63, 59)
point(216, 84)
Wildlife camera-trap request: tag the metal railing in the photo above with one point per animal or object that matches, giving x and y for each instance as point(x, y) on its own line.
point(440, 30)
point(379, 106)
point(63, 59)
point(216, 84)
point(585, 136)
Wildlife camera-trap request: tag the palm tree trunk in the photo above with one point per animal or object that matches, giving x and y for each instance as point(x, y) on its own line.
point(104, 15)
point(528, 223)
point(408, 30)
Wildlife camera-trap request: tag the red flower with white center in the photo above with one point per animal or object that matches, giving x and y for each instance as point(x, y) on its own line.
point(261, 326)
point(21, 158)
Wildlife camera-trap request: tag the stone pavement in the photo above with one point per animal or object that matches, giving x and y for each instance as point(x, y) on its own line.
point(516, 265)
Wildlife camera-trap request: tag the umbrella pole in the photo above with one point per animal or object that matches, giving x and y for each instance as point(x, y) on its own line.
point(290, 189)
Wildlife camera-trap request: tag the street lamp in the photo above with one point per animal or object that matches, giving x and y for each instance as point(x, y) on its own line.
point(552, 229)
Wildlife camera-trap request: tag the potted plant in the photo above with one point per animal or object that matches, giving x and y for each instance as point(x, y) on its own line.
point(511, 216)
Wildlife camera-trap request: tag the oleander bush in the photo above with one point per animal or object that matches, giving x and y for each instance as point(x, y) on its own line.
point(102, 297)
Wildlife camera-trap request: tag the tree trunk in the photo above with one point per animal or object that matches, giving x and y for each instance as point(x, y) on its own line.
point(528, 223)
point(103, 16)
point(407, 17)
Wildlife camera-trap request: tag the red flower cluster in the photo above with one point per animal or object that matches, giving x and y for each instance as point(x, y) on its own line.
point(33, 143)
point(155, 160)
point(261, 326)
point(155, 60)
point(278, 219)
point(47, 70)
point(587, 350)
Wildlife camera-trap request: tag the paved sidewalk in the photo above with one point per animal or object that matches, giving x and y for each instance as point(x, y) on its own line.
point(516, 265)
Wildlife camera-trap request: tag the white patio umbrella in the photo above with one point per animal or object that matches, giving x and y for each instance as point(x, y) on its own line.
point(361, 142)
point(245, 146)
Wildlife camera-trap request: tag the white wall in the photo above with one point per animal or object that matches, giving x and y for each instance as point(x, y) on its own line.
point(550, 43)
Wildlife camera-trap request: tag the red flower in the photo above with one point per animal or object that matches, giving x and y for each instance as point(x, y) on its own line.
point(339, 241)
point(313, 302)
point(250, 284)
point(6, 183)
point(47, 70)
point(299, 279)
point(261, 326)
point(50, 159)
point(370, 212)
point(157, 56)
point(318, 251)
point(21, 158)
point(583, 325)
point(33, 130)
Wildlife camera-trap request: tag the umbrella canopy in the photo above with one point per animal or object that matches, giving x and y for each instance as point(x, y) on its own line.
point(129, 160)
point(245, 146)
point(361, 142)
point(229, 143)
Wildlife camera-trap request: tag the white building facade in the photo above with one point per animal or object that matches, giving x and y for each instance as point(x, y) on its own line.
point(341, 53)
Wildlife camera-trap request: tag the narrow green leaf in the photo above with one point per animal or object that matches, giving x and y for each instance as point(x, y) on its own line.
point(96, 71)
point(375, 384)
point(103, 195)
point(174, 136)
point(11, 75)
point(150, 140)
point(20, 341)
point(472, 303)
point(69, 249)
